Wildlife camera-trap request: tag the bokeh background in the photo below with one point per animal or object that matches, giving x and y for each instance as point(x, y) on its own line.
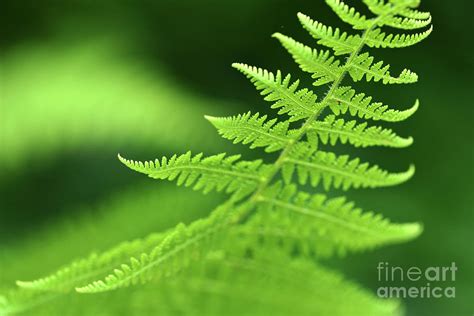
point(83, 80)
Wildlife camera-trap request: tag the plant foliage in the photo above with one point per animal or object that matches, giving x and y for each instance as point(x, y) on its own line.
point(271, 225)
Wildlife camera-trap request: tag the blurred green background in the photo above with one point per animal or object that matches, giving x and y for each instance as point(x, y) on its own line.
point(83, 80)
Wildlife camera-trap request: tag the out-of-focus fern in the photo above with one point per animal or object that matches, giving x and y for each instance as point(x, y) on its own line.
point(318, 225)
point(63, 95)
point(268, 209)
point(101, 225)
point(219, 283)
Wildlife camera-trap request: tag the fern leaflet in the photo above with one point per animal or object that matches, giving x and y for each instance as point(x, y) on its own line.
point(377, 38)
point(299, 104)
point(337, 171)
point(83, 271)
point(346, 99)
point(323, 67)
point(211, 173)
point(349, 15)
point(363, 65)
point(175, 252)
point(341, 42)
point(316, 221)
point(253, 129)
point(331, 130)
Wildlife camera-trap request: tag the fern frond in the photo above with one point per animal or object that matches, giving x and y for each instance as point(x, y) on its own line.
point(415, 14)
point(298, 104)
point(331, 130)
point(405, 3)
point(405, 8)
point(363, 65)
point(406, 23)
point(254, 130)
point(340, 42)
point(349, 15)
point(346, 99)
point(323, 67)
point(337, 171)
point(377, 38)
point(268, 268)
point(275, 211)
point(219, 285)
point(216, 172)
point(314, 222)
point(106, 223)
point(83, 271)
point(175, 252)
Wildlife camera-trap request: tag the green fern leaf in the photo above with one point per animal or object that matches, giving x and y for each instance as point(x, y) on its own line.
point(323, 67)
point(337, 171)
point(83, 271)
point(340, 42)
point(403, 8)
point(242, 230)
point(349, 15)
point(401, 4)
point(212, 173)
point(299, 104)
point(331, 130)
point(253, 129)
point(363, 65)
point(174, 253)
point(406, 23)
point(227, 274)
point(309, 220)
point(268, 268)
point(346, 99)
point(377, 38)
point(414, 14)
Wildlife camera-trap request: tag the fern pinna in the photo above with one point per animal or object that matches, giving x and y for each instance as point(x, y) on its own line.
point(268, 206)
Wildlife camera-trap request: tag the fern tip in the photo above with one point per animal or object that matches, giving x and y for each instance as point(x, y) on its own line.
point(411, 171)
point(210, 118)
point(413, 230)
point(277, 35)
point(238, 65)
point(122, 159)
point(301, 15)
point(80, 290)
point(213, 120)
point(409, 112)
point(416, 105)
point(23, 284)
